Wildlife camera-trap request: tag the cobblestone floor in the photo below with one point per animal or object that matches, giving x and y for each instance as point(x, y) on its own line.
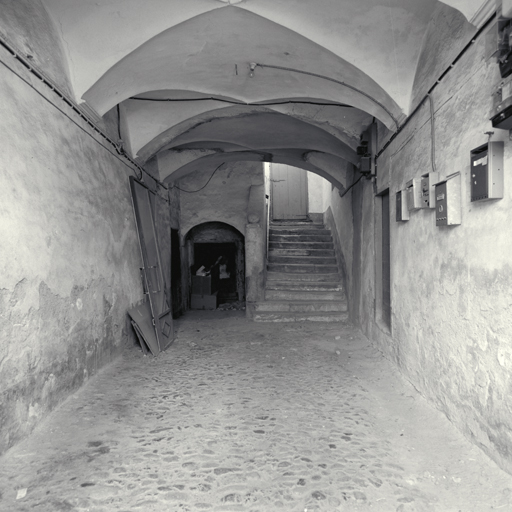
point(242, 416)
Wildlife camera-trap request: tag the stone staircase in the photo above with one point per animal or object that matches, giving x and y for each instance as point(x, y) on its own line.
point(303, 280)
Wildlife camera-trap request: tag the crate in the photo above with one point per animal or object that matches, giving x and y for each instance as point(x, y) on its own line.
point(205, 285)
point(203, 301)
point(202, 285)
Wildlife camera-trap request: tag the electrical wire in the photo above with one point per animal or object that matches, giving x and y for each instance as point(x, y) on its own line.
point(471, 42)
point(212, 98)
point(70, 118)
point(432, 134)
point(119, 151)
point(204, 186)
point(344, 84)
point(353, 185)
point(119, 123)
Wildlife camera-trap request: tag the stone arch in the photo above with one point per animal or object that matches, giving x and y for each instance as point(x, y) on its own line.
point(337, 171)
point(205, 243)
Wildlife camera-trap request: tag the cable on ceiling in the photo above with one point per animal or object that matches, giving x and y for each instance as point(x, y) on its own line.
point(119, 151)
point(432, 134)
point(212, 98)
point(204, 186)
point(119, 125)
point(344, 84)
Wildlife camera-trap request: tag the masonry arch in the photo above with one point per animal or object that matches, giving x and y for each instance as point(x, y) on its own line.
point(210, 245)
point(337, 171)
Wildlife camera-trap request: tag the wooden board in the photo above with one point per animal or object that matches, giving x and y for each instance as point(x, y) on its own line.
point(159, 301)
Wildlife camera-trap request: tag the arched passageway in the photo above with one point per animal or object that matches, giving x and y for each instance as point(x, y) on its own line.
point(194, 98)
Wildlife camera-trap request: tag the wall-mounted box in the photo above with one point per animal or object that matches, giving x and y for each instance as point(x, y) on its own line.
point(413, 189)
point(428, 189)
point(366, 165)
point(503, 120)
point(501, 98)
point(402, 212)
point(487, 172)
point(448, 201)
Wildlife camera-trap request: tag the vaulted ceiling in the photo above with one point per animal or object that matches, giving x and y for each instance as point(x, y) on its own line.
point(200, 81)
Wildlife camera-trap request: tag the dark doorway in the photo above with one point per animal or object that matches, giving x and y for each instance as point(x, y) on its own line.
point(224, 255)
point(386, 261)
point(176, 274)
point(220, 249)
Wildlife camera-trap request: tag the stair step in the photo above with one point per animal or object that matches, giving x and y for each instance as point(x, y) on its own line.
point(302, 252)
point(303, 260)
point(303, 295)
point(300, 238)
point(296, 225)
point(301, 306)
point(304, 285)
point(295, 316)
point(305, 269)
point(302, 277)
point(303, 282)
point(297, 231)
point(310, 246)
point(317, 247)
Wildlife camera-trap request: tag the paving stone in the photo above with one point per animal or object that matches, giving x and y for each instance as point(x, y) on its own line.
point(262, 418)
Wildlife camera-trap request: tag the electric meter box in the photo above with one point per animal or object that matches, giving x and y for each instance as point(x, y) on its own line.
point(402, 213)
point(448, 201)
point(487, 172)
point(413, 189)
point(428, 189)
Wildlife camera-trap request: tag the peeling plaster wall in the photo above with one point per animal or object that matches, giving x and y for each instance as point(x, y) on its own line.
point(70, 256)
point(451, 301)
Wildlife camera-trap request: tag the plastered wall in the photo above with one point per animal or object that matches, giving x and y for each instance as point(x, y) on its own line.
point(70, 256)
point(27, 25)
point(451, 332)
point(223, 199)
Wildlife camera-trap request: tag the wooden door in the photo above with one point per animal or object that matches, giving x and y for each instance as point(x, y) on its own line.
point(153, 279)
point(289, 192)
point(386, 261)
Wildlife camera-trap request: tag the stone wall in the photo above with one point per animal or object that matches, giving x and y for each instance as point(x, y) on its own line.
point(451, 332)
point(70, 257)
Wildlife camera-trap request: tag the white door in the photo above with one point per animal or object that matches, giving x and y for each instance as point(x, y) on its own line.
point(289, 192)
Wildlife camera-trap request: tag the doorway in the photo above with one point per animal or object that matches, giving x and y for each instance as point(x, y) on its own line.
point(386, 261)
point(220, 249)
point(289, 192)
point(176, 296)
point(224, 255)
